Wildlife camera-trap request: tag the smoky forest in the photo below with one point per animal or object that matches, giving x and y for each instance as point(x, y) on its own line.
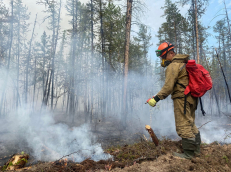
point(75, 77)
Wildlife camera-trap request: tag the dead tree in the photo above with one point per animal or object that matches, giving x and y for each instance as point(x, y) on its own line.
point(28, 60)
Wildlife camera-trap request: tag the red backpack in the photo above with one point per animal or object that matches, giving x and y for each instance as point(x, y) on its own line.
point(200, 82)
point(199, 79)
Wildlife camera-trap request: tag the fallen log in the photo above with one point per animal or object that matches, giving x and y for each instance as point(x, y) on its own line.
point(16, 162)
point(152, 134)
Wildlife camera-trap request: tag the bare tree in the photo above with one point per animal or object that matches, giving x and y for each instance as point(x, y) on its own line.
point(126, 57)
point(28, 60)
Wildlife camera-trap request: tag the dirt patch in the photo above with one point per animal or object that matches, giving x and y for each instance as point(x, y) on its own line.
point(145, 156)
point(214, 157)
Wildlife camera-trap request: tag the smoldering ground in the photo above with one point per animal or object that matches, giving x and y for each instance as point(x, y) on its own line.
point(35, 131)
point(39, 133)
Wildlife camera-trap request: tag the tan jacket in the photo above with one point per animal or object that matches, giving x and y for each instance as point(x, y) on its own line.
point(176, 72)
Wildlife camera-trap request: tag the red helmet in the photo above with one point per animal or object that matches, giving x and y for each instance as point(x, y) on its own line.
point(164, 48)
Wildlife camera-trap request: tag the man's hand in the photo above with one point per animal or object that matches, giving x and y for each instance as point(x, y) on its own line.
point(152, 102)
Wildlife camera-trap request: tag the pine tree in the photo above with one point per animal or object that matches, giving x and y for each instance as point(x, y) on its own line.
point(143, 38)
point(221, 29)
point(197, 9)
point(4, 31)
point(114, 30)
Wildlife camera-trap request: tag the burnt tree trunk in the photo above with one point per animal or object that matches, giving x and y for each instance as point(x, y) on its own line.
point(152, 134)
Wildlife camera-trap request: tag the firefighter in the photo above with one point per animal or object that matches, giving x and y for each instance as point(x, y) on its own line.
point(176, 80)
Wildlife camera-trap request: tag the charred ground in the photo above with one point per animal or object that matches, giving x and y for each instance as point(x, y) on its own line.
point(145, 156)
point(131, 152)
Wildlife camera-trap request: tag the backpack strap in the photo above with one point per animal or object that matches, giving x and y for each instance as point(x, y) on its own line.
point(183, 67)
point(180, 84)
point(185, 97)
point(202, 109)
point(185, 101)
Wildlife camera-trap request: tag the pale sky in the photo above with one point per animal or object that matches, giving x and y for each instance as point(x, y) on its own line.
point(152, 17)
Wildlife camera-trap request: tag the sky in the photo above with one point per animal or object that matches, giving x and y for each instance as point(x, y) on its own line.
point(151, 17)
point(154, 19)
point(215, 12)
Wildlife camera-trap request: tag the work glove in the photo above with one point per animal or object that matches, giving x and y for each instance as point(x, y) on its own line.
point(152, 102)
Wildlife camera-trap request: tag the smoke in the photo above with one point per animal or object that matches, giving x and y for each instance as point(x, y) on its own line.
point(47, 140)
point(35, 130)
point(212, 133)
point(38, 132)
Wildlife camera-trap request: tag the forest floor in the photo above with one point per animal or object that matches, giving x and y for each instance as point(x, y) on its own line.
point(132, 153)
point(145, 156)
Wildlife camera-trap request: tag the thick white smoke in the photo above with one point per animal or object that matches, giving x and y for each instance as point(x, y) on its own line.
point(49, 141)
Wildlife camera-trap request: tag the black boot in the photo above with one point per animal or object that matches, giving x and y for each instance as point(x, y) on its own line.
point(198, 143)
point(189, 146)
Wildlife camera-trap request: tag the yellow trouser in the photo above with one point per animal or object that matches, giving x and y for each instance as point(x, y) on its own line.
point(185, 123)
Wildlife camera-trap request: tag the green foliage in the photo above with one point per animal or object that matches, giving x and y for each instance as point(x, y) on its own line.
point(226, 159)
point(11, 164)
point(175, 28)
point(204, 144)
point(206, 156)
point(139, 50)
point(4, 167)
point(23, 159)
point(114, 31)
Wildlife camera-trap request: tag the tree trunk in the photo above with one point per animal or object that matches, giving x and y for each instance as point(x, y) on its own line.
point(175, 38)
point(227, 20)
point(54, 45)
point(103, 59)
point(193, 31)
point(35, 76)
point(72, 72)
point(92, 32)
point(53, 56)
point(197, 36)
point(28, 60)
point(18, 49)
point(9, 56)
point(92, 55)
point(126, 59)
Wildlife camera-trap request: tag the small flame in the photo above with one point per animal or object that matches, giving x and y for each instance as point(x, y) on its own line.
point(108, 167)
point(65, 162)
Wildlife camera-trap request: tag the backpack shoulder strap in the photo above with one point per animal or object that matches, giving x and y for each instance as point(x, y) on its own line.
point(180, 84)
point(185, 97)
point(183, 67)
